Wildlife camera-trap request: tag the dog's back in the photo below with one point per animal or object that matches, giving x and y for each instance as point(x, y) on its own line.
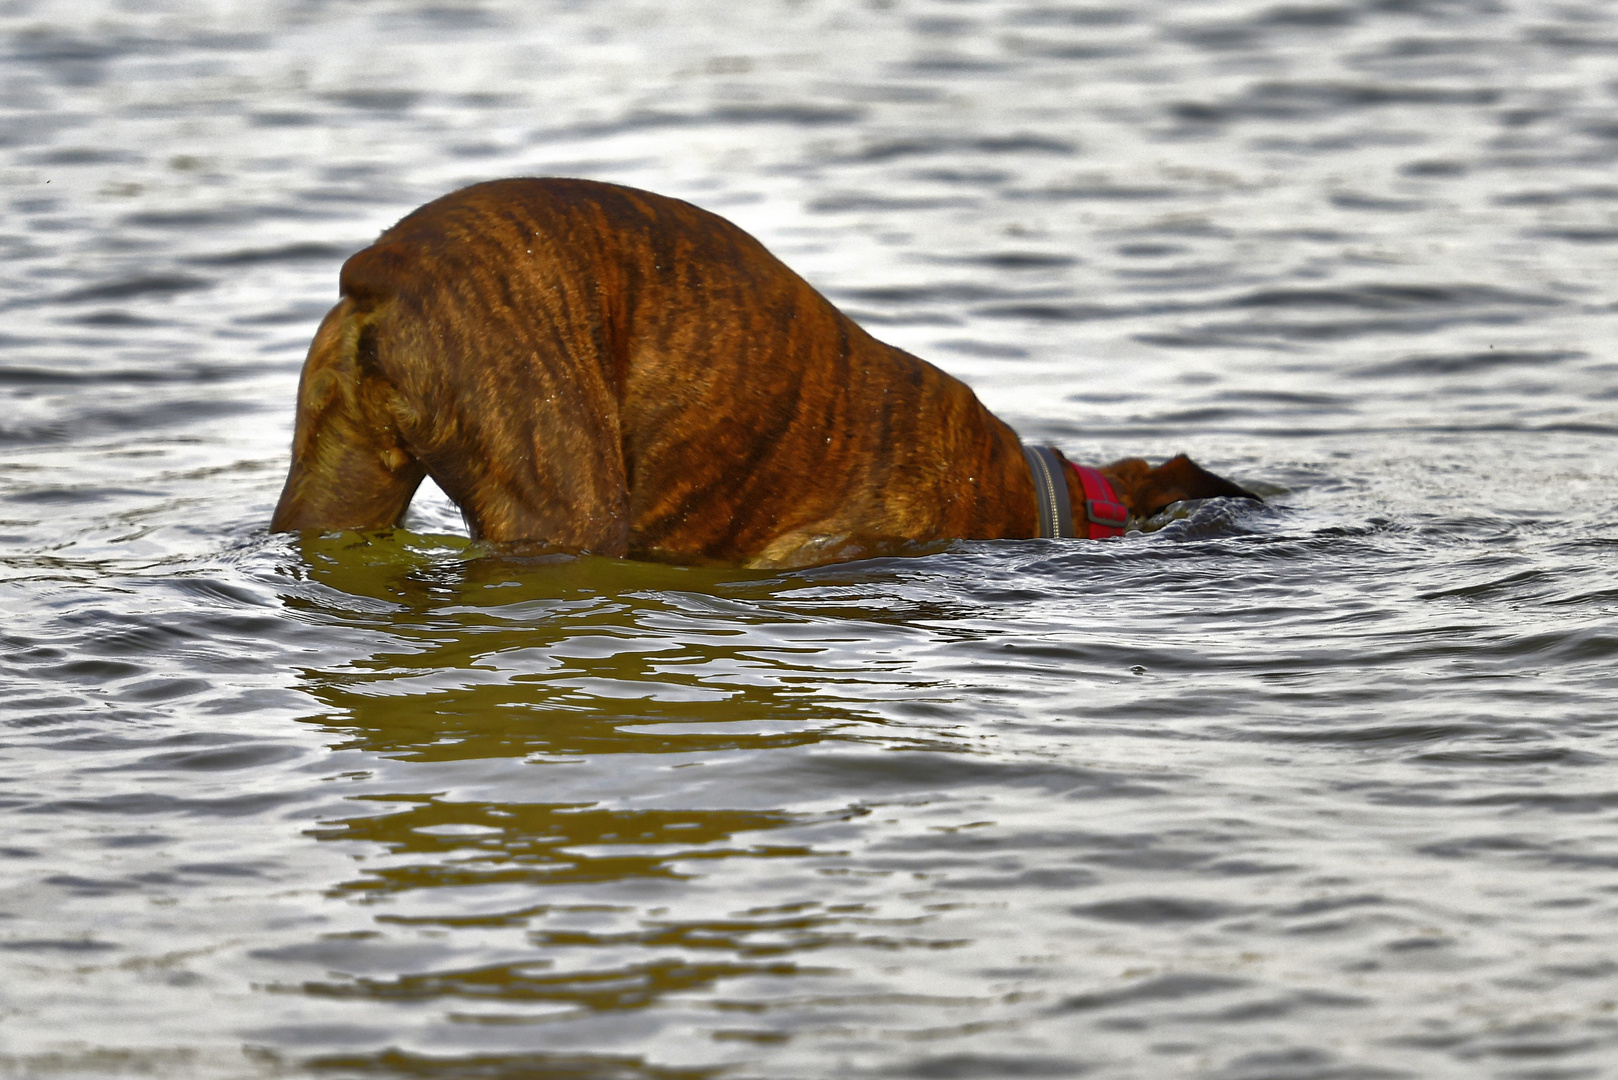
point(606, 369)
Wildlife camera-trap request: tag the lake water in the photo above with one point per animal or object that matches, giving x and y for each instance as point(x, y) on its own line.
point(1319, 789)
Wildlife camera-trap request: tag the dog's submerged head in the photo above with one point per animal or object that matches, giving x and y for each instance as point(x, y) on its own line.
point(1146, 490)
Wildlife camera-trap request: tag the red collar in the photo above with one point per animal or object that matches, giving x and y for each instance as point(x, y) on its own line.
point(1105, 514)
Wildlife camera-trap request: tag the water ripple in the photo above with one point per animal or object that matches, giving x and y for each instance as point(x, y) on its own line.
point(1312, 788)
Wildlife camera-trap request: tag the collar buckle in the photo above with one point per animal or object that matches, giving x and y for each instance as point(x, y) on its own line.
point(1113, 515)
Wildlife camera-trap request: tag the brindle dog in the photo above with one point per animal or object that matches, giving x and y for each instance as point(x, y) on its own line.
point(596, 368)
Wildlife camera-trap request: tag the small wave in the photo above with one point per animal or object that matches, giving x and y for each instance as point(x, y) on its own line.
point(127, 288)
point(287, 253)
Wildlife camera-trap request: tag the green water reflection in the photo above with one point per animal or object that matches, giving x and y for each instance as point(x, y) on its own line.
point(512, 657)
point(504, 1067)
point(543, 844)
point(547, 661)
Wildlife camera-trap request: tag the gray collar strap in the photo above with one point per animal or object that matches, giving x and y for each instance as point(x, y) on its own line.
point(1050, 485)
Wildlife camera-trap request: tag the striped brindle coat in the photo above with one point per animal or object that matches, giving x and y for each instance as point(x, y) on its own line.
point(601, 369)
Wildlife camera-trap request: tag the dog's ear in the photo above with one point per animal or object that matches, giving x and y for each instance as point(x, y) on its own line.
point(1146, 490)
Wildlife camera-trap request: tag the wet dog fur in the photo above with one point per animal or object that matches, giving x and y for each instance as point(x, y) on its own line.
point(589, 367)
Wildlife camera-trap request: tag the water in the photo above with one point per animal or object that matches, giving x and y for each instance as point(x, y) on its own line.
point(1322, 789)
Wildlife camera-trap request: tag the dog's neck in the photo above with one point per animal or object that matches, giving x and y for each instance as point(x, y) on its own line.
point(1099, 515)
point(1072, 500)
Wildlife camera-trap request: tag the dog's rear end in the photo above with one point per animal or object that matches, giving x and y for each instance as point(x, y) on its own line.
point(350, 469)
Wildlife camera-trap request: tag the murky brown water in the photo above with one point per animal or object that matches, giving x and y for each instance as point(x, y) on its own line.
point(1321, 789)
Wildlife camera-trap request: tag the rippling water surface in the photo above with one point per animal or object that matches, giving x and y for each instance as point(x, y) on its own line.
point(1321, 789)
